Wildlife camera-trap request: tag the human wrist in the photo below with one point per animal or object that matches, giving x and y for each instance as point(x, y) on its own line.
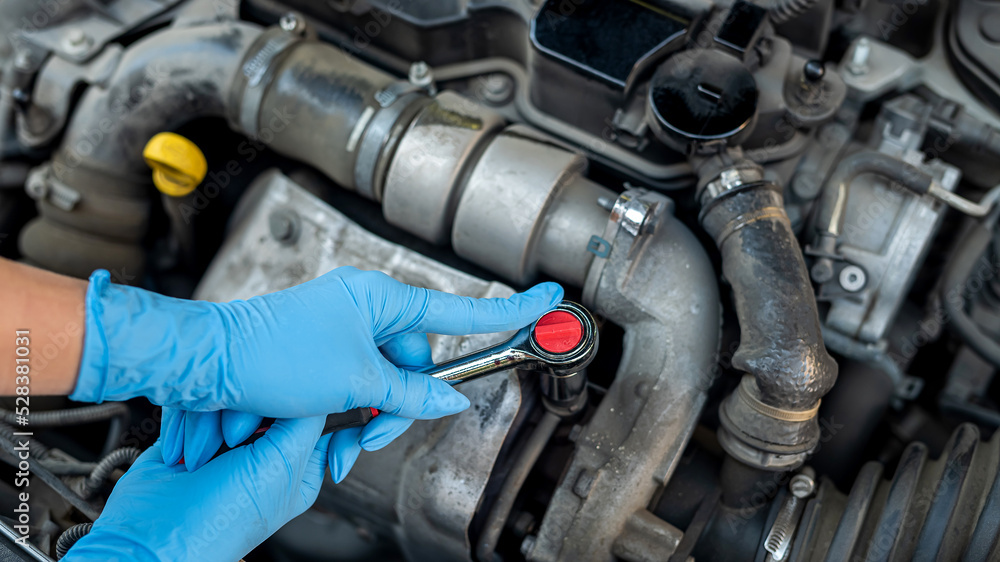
point(138, 343)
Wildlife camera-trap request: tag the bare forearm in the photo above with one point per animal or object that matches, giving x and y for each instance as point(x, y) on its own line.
point(50, 308)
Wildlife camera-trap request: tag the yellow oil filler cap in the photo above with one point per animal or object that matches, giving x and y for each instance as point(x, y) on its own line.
point(178, 164)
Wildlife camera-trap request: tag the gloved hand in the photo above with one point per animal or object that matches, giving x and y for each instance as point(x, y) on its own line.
point(305, 351)
point(196, 436)
point(159, 512)
point(309, 350)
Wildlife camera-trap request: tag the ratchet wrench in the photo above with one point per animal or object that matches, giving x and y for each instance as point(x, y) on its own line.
point(561, 342)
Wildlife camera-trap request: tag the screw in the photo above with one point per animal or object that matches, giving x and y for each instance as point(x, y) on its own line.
point(284, 226)
point(292, 23)
point(76, 42)
point(23, 60)
point(822, 270)
point(803, 484)
point(860, 56)
point(496, 88)
point(420, 74)
point(528, 545)
point(606, 203)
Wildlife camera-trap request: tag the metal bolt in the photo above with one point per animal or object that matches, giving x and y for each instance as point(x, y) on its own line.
point(76, 42)
point(523, 524)
point(860, 56)
point(23, 60)
point(606, 203)
point(803, 484)
point(527, 545)
point(292, 23)
point(822, 270)
point(420, 74)
point(284, 226)
point(852, 278)
point(496, 88)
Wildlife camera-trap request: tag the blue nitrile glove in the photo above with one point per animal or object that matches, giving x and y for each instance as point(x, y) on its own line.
point(196, 436)
point(305, 351)
point(160, 512)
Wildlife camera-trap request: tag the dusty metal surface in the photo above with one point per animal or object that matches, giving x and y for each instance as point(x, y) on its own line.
point(424, 487)
point(656, 283)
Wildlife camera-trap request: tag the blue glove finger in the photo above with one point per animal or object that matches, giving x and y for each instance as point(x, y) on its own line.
point(382, 430)
point(238, 426)
point(172, 435)
point(415, 395)
point(202, 438)
point(315, 471)
point(403, 308)
point(411, 351)
point(296, 443)
point(344, 451)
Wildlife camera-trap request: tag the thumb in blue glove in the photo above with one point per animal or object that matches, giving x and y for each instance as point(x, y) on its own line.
point(221, 512)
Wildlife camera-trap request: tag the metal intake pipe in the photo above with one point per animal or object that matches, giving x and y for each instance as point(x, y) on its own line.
point(656, 281)
point(434, 163)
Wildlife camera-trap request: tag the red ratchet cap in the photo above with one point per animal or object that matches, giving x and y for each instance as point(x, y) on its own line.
point(558, 332)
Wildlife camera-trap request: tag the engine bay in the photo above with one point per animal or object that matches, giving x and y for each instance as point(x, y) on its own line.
point(781, 213)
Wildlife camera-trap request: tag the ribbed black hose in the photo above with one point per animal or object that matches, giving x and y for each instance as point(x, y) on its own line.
point(69, 537)
point(38, 451)
point(957, 272)
point(71, 416)
point(787, 10)
point(118, 458)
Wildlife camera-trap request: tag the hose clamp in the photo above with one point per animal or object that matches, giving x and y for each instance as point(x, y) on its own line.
point(254, 75)
point(747, 395)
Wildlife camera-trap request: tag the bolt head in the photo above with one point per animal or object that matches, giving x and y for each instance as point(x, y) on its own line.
point(23, 60)
point(284, 226)
point(76, 41)
point(291, 23)
point(802, 485)
point(528, 545)
point(822, 271)
point(420, 74)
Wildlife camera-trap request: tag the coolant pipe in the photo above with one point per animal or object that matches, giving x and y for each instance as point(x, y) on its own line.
point(770, 421)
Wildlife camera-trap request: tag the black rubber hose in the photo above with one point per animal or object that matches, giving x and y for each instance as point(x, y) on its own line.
point(69, 537)
point(787, 10)
point(118, 458)
point(71, 416)
point(525, 461)
point(956, 275)
point(115, 430)
point(38, 450)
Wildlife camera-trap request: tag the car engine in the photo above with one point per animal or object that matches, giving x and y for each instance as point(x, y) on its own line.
point(782, 214)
